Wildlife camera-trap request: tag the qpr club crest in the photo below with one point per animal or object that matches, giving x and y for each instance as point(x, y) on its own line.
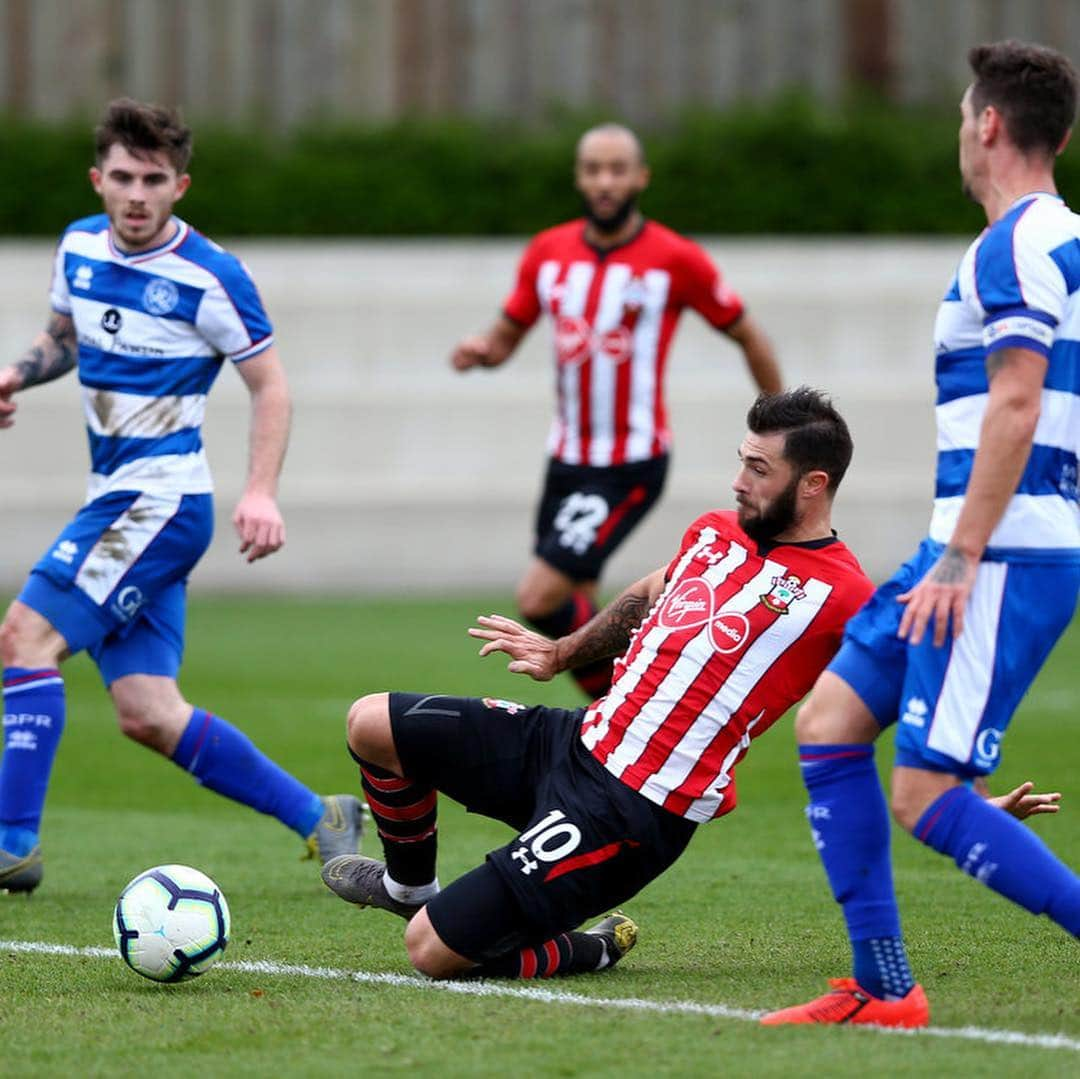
point(784, 592)
point(160, 296)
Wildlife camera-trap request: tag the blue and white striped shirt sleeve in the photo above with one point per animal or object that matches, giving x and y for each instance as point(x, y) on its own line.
point(1021, 288)
point(232, 318)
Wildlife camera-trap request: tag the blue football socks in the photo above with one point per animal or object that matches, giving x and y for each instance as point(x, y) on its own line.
point(33, 724)
point(224, 759)
point(995, 848)
point(849, 821)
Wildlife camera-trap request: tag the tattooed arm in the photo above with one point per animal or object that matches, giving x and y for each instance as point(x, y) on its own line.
point(53, 353)
point(1008, 429)
point(607, 634)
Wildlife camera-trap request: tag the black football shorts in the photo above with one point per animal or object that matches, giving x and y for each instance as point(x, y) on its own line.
point(585, 841)
point(585, 512)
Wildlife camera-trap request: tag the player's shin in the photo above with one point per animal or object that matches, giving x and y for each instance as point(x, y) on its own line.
point(568, 953)
point(849, 822)
point(1007, 856)
point(405, 815)
point(224, 759)
point(34, 710)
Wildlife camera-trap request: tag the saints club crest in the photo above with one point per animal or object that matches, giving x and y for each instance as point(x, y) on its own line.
point(784, 592)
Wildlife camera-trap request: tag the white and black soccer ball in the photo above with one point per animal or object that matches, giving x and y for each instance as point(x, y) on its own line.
point(171, 923)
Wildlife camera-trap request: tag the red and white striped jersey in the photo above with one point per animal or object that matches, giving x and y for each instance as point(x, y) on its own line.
point(614, 317)
point(734, 640)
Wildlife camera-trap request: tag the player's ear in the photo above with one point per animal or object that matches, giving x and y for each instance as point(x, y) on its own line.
point(991, 125)
point(814, 483)
point(183, 182)
point(95, 178)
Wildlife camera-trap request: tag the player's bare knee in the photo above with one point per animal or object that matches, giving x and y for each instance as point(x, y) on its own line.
point(139, 724)
point(367, 725)
point(150, 711)
point(22, 644)
point(811, 726)
point(914, 790)
point(9, 640)
point(906, 810)
point(427, 953)
point(532, 604)
point(150, 725)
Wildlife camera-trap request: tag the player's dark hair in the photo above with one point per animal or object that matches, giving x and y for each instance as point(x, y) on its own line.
point(815, 434)
point(1034, 89)
point(144, 129)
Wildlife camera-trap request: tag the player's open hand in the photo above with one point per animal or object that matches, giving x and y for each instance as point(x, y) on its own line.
point(938, 599)
point(471, 352)
point(259, 525)
point(530, 652)
point(1021, 803)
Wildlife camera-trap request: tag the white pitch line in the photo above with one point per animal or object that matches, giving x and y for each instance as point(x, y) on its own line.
point(552, 996)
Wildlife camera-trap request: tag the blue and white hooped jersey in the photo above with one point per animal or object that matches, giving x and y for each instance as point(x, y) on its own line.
point(1018, 285)
point(153, 328)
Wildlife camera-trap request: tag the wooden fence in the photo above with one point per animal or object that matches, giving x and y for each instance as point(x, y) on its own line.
point(282, 63)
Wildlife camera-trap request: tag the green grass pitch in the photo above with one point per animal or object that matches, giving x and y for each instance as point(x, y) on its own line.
point(744, 920)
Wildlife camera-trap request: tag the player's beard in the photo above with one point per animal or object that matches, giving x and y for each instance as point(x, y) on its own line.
point(778, 516)
point(616, 219)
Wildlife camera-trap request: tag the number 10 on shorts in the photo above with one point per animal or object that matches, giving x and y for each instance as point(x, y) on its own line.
point(548, 840)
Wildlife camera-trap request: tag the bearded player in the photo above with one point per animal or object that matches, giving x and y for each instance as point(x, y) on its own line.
point(614, 285)
point(715, 647)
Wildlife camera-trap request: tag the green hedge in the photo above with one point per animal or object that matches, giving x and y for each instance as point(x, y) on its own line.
point(787, 168)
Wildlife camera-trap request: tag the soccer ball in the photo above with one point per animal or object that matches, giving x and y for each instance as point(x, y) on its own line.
point(171, 923)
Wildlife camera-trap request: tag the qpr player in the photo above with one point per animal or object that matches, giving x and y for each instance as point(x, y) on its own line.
point(147, 309)
point(948, 647)
point(715, 647)
point(614, 285)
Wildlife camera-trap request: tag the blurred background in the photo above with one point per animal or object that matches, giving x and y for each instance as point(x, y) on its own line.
point(379, 164)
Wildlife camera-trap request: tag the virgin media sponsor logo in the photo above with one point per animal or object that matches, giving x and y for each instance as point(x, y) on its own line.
point(689, 606)
point(730, 630)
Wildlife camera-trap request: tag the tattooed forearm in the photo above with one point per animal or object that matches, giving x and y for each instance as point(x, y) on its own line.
point(52, 354)
point(951, 568)
point(608, 634)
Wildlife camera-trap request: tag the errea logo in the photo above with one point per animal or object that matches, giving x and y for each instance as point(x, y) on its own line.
point(915, 712)
point(65, 551)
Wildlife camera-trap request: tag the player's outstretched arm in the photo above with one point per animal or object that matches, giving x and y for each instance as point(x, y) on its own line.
point(53, 353)
point(758, 352)
point(257, 519)
point(607, 634)
point(1020, 801)
point(489, 349)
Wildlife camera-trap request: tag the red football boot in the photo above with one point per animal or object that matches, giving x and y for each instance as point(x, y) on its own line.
point(848, 1002)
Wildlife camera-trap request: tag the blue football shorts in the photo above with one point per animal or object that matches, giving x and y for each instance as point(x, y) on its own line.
point(955, 702)
point(114, 581)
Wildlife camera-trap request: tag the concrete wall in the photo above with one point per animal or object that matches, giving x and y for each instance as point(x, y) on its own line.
point(405, 475)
